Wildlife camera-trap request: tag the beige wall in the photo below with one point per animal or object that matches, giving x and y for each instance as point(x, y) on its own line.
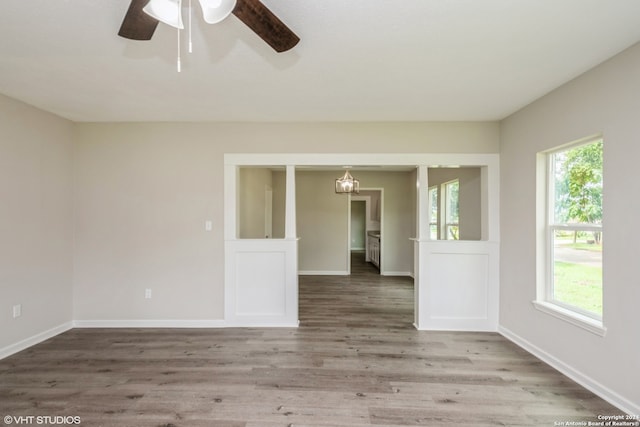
point(36, 220)
point(252, 185)
point(322, 223)
point(374, 195)
point(604, 100)
point(142, 196)
point(358, 224)
point(144, 190)
point(470, 197)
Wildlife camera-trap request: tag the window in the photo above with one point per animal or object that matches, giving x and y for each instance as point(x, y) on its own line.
point(433, 212)
point(451, 226)
point(444, 213)
point(572, 238)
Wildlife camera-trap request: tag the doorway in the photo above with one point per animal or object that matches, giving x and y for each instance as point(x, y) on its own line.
point(365, 227)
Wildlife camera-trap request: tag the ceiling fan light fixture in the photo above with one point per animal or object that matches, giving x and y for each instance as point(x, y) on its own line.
point(215, 11)
point(167, 11)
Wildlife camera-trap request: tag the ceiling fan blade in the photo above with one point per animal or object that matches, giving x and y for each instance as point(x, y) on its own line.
point(137, 25)
point(265, 24)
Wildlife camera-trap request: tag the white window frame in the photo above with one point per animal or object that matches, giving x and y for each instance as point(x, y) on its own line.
point(546, 229)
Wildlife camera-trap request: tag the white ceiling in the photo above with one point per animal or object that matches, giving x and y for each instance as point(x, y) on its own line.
point(358, 60)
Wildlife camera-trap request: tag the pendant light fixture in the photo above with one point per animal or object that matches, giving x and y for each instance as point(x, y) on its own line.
point(347, 184)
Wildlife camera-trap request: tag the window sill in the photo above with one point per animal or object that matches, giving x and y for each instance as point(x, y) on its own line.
point(592, 325)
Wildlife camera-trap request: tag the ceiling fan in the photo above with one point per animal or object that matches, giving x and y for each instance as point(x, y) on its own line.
point(143, 16)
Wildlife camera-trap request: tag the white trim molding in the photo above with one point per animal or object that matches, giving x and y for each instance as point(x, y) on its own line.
point(261, 282)
point(435, 269)
point(397, 273)
point(587, 323)
point(35, 339)
point(323, 273)
point(584, 380)
point(457, 285)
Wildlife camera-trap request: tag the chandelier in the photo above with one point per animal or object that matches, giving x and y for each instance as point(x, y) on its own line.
point(347, 184)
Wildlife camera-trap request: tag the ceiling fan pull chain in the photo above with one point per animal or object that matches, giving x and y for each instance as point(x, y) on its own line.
point(190, 43)
point(178, 64)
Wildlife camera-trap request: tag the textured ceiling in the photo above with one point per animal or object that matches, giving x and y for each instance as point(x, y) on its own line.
point(358, 60)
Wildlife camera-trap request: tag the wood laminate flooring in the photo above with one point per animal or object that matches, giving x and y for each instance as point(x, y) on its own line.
point(355, 360)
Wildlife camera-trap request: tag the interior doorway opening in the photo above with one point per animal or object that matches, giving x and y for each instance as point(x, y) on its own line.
point(262, 274)
point(365, 227)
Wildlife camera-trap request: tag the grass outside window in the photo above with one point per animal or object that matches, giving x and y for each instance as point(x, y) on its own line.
point(577, 271)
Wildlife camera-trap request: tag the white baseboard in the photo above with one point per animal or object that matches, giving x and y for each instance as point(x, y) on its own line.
point(585, 381)
point(159, 323)
point(346, 273)
point(36, 339)
point(322, 273)
point(396, 273)
point(250, 323)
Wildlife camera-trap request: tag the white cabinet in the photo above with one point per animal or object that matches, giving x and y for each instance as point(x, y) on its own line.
point(374, 248)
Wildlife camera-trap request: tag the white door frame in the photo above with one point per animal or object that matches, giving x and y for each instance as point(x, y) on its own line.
point(444, 270)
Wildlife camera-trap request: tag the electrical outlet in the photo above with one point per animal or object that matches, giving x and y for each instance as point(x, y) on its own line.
point(208, 225)
point(147, 293)
point(17, 310)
